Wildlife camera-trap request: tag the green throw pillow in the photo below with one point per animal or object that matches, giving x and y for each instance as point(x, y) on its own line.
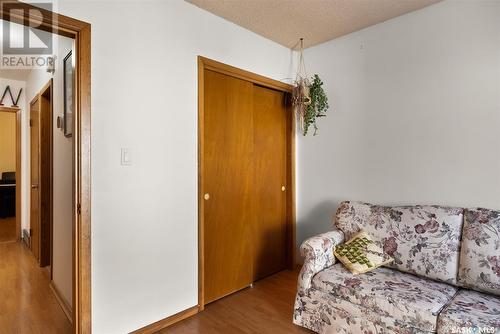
point(361, 254)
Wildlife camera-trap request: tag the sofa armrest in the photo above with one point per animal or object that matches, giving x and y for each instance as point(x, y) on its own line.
point(318, 255)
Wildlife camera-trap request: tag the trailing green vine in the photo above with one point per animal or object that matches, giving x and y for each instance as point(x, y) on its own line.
point(317, 107)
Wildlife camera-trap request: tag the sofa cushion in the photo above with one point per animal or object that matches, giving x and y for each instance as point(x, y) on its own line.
point(423, 240)
point(328, 314)
point(413, 300)
point(470, 312)
point(480, 253)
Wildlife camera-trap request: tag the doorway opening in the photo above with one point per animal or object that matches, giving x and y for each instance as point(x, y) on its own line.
point(45, 227)
point(76, 288)
point(10, 171)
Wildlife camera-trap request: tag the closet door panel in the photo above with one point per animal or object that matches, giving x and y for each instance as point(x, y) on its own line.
point(228, 182)
point(269, 230)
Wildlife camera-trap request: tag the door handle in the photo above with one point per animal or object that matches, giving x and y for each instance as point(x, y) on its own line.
point(283, 188)
point(34, 186)
point(206, 196)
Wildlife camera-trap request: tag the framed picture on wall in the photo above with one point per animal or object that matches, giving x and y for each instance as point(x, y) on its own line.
point(68, 82)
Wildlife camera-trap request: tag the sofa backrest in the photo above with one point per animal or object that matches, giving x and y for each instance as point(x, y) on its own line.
point(423, 240)
point(480, 251)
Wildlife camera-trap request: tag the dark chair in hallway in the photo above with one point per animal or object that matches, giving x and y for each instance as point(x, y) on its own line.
point(8, 195)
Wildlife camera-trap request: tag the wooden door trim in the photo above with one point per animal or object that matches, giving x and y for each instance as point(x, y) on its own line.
point(17, 111)
point(209, 64)
point(35, 236)
point(45, 195)
point(49, 86)
point(81, 32)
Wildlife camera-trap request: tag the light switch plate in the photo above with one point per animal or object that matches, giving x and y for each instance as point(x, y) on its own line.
point(126, 157)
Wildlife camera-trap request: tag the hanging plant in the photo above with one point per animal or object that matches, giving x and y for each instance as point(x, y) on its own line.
point(318, 106)
point(309, 98)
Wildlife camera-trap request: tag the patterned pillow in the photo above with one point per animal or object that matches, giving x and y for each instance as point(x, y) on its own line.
point(480, 254)
point(361, 254)
point(423, 240)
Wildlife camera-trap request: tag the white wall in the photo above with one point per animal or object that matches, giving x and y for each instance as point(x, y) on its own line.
point(414, 120)
point(62, 169)
point(144, 97)
point(415, 114)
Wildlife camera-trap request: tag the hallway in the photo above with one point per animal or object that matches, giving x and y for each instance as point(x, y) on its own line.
point(27, 304)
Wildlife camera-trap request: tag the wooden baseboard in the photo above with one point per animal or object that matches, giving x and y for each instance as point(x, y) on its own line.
point(156, 326)
point(66, 307)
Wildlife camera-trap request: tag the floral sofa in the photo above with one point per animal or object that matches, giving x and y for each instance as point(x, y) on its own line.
point(445, 277)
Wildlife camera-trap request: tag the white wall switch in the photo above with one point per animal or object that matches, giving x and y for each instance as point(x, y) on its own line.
point(126, 157)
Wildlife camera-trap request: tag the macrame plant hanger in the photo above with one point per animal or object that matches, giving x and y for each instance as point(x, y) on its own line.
point(301, 98)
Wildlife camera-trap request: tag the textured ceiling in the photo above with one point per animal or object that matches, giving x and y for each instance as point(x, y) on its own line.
point(317, 21)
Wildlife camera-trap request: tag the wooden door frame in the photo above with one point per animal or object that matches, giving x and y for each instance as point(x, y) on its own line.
point(38, 237)
point(42, 196)
point(18, 112)
point(209, 64)
point(81, 32)
point(41, 95)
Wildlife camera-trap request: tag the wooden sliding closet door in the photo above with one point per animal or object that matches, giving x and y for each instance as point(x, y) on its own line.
point(228, 182)
point(269, 228)
point(244, 168)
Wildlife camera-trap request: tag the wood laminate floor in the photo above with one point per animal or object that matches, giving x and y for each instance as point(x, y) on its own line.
point(27, 304)
point(7, 229)
point(266, 308)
